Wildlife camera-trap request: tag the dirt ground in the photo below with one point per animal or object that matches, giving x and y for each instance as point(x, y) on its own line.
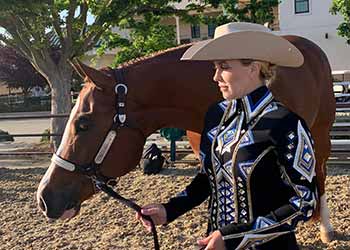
point(105, 224)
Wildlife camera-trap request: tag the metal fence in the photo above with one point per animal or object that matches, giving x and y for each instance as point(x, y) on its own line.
point(182, 148)
point(20, 103)
point(340, 140)
point(340, 133)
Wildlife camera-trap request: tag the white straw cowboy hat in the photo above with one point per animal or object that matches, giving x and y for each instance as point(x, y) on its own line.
point(240, 40)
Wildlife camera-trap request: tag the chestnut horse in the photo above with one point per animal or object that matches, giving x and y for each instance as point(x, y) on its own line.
point(166, 92)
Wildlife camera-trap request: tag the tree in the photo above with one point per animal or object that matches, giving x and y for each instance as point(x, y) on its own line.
point(17, 72)
point(49, 33)
point(147, 36)
point(255, 11)
point(342, 7)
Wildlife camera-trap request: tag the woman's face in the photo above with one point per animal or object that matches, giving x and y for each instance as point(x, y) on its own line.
point(236, 80)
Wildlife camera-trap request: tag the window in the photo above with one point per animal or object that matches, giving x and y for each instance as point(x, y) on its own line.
point(195, 31)
point(301, 6)
point(211, 30)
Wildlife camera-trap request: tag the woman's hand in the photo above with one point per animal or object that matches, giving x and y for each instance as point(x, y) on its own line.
point(156, 211)
point(212, 242)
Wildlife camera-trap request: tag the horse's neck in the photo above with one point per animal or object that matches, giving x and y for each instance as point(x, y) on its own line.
point(173, 94)
point(153, 119)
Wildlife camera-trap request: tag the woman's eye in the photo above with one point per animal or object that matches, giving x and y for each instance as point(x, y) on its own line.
point(224, 66)
point(221, 66)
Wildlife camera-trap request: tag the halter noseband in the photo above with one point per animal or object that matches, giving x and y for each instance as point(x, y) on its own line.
point(93, 169)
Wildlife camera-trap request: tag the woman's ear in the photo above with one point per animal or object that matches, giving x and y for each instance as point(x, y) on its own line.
point(255, 69)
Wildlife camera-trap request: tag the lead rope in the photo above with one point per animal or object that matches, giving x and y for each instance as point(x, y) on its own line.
point(109, 191)
point(121, 110)
point(103, 186)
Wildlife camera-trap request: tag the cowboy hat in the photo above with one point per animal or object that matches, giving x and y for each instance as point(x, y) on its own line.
point(241, 40)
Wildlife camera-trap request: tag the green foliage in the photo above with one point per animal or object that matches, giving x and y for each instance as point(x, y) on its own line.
point(64, 29)
point(342, 7)
point(111, 40)
point(256, 11)
point(147, 36)
point(45, 138)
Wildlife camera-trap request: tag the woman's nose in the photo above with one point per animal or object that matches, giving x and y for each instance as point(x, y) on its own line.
point(217, 75)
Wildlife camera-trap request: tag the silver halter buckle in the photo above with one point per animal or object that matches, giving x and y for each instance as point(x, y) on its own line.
point(121, 85)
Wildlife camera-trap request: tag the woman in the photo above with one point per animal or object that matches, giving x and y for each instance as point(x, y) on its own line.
point(258, 164)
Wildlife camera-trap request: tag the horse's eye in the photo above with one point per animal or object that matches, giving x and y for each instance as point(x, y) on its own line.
point(81, 125)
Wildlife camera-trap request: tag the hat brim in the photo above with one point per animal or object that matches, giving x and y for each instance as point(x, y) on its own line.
point(254, 45)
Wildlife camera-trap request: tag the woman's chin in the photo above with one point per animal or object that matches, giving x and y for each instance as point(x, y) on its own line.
point(226, 95)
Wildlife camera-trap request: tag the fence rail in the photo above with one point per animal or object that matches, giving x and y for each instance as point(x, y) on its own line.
point(24, 117)
point(20, 103)
point(340, 147)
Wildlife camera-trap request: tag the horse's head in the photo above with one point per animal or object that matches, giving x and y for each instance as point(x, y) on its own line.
point(87, 142)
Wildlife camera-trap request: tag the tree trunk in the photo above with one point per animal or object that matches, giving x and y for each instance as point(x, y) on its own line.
point(61, 102)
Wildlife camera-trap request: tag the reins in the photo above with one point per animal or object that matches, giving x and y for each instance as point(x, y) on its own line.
point(93, 170)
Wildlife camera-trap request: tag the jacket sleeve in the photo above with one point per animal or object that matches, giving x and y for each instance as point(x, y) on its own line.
point(199, 189)
point(296, 163)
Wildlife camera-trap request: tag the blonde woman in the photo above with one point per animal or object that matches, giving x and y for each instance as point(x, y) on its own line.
point(258, 163)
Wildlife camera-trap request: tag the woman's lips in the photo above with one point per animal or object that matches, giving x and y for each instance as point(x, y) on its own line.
point(223, 87)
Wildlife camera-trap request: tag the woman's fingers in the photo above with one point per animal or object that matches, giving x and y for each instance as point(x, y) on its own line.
point(155, 211)
point(137, 215)
point(150, 210)
point(145, 223)
point(204, 242)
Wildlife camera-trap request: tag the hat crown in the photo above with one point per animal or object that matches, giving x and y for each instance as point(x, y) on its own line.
point(246, 41)
point(239, 27)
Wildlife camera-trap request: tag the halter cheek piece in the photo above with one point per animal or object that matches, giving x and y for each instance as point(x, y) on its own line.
point(93, 170)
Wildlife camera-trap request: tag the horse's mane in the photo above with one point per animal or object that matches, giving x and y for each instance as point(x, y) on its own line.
point(152, 56)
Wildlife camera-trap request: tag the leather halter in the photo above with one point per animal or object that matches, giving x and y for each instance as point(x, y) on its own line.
point(93, 169)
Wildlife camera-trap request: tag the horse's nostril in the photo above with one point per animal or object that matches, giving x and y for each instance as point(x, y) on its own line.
point(70, 206)
point(42, 204)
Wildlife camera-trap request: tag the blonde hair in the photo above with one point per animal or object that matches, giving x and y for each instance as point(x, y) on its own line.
point(267, 71)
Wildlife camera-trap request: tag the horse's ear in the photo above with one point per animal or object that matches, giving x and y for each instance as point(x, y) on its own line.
point(76, 66)
point(97, 77)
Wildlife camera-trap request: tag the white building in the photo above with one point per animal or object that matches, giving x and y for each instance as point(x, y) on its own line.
point(311, 19)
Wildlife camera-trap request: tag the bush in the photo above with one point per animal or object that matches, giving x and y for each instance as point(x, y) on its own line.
point(5, 136)
point(45, 138)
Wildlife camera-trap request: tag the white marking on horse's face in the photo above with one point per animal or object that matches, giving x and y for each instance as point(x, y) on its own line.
point(46, 177)
point(65, 137)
